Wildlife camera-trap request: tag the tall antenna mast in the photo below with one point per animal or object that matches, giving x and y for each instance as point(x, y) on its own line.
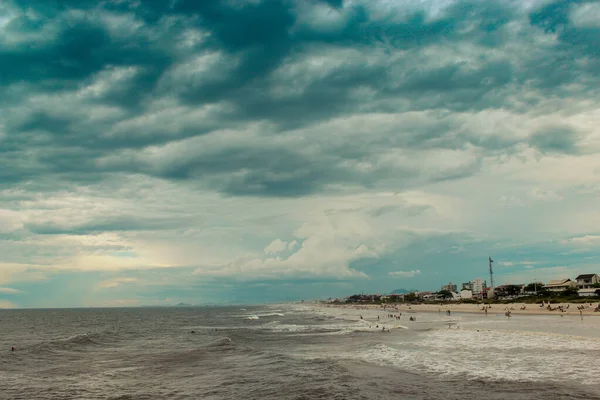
point(491, 272)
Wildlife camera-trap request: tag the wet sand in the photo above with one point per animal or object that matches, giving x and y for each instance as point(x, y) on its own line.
point(515, 308)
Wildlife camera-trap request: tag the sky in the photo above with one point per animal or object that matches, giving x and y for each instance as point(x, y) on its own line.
point(249, 151)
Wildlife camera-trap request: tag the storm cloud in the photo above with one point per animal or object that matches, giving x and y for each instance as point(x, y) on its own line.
point(132, 131)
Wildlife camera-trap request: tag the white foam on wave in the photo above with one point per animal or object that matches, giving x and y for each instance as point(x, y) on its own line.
point(273, 314)
point(252, 317)
point(494, 355)
point(329, 329)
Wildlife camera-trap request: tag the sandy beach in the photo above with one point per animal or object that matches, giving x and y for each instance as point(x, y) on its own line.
point(515, 308)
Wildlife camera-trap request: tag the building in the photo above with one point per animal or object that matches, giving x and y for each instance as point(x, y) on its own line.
point(466, 286)
point(589, 292)
point(466, 294)
point(478, 286)
point(587, 281)
point(560, 285)
point(449, 287)
point(423, 295)
point(433, 297)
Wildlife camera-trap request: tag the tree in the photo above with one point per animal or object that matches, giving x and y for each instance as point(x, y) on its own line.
point(410, 296)
point(596, 285)
point(537, 287)
point(570, 291)
point(513, 290)
point(534, 287)
point(446, 294)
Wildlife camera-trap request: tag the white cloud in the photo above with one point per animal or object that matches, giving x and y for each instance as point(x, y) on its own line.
point(586, 15)
point(405, 274)
point(14, 272)
point(545, 195)
point(582, 240)
point(276, 246)
point(7, 304)
point(7, 290)
point(113, 283)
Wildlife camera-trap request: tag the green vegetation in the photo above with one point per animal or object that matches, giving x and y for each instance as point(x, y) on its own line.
point(571, 291)
point(410, 296)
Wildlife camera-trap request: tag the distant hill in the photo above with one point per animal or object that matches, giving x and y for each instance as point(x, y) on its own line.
point(183, 305)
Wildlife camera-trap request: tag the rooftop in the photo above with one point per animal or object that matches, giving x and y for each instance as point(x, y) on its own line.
point(558, 282)
point(585, 276)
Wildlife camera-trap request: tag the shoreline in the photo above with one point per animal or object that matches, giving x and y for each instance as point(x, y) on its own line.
point(515, 308)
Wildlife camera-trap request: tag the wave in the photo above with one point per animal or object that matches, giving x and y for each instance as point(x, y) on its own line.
point(74, 343)
point(492, 355)
point(221, 342)
point(258, 316)
point(274, 314)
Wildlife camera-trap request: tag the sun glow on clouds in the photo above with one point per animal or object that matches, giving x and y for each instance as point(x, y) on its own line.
point(327, 146)
point(405, 274)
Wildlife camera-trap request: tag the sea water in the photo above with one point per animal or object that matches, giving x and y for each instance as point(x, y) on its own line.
point(293, 351)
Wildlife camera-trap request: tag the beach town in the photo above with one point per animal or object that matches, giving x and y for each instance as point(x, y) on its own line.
point(580, 296)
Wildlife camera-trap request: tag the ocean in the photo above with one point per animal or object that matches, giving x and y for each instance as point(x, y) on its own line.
point(293, 351)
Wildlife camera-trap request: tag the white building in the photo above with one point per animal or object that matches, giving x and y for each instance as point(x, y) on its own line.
point(588, 292)
point(587, 281)
point(560, 285)
point(466, 294)
point(478, 285)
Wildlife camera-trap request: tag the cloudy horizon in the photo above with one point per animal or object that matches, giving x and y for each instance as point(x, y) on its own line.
point(251, 151)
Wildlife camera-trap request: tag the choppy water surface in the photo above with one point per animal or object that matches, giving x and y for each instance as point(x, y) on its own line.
point(292, 352)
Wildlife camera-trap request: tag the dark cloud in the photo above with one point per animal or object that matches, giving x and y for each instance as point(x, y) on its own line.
point(119, 223)
point(558, 139)
point(83, 81)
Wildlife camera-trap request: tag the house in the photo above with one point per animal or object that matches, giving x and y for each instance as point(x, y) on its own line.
point(587, 281)
point(432, 297)
point(560, 285)
point(588, 292)
point(423, 295)
point(466, 294)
